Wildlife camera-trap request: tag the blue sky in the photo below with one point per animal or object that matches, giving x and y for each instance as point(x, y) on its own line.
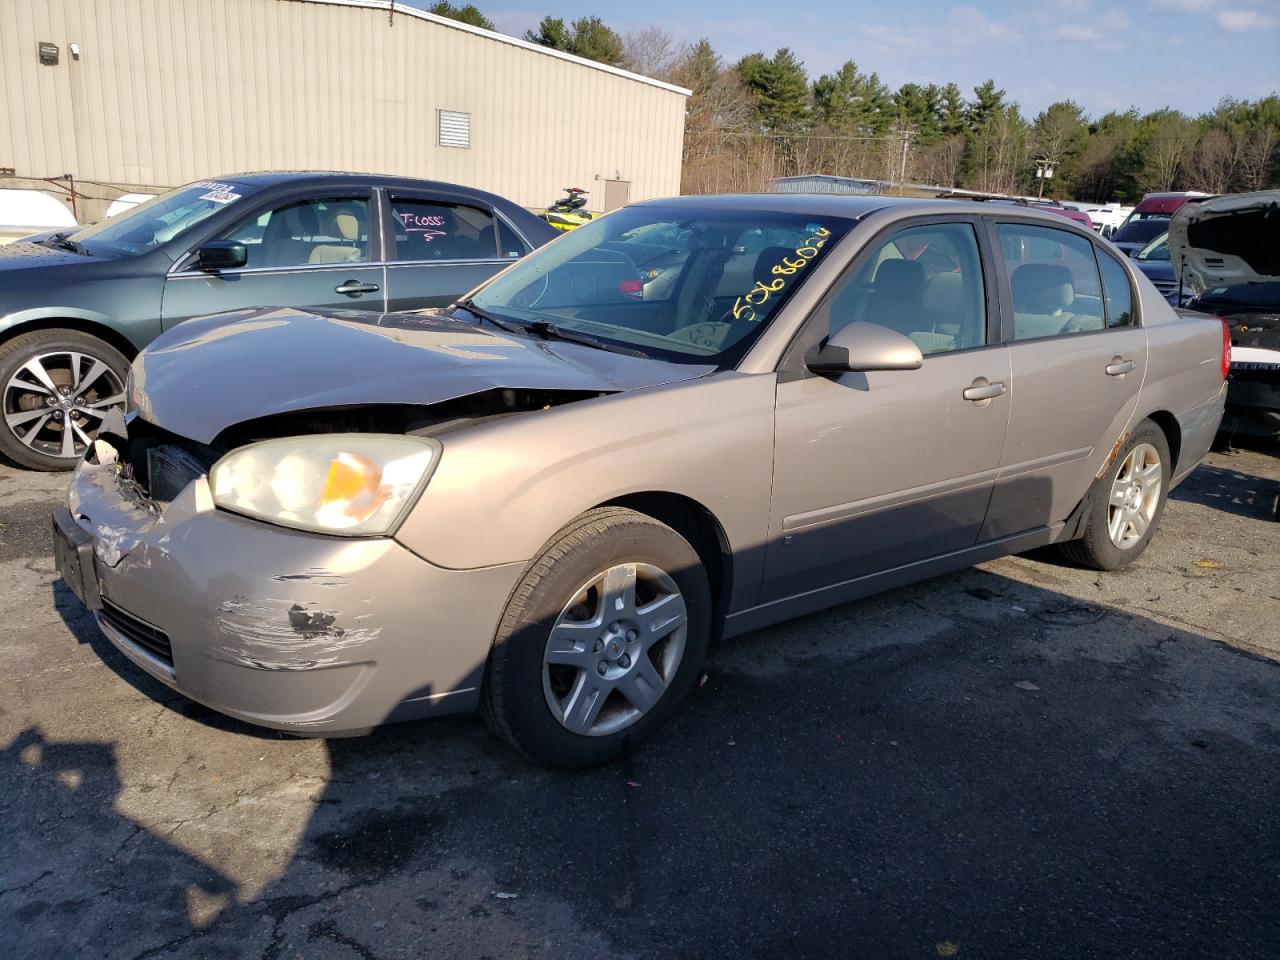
point(1105, 55)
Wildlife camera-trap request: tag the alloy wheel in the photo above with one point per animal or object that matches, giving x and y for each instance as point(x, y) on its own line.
point(614, 649)
point(1135, 495)
point(56, 401)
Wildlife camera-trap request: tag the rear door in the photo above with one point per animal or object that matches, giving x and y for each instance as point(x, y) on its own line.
point(1078, 358)
point(439, 246)
point(319, 250)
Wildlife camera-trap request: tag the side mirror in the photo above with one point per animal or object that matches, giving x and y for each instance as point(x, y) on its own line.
point(221, 255)
point(863, 346)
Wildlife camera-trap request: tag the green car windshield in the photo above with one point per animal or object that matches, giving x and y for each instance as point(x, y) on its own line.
point(676, 283)
point(158, 220)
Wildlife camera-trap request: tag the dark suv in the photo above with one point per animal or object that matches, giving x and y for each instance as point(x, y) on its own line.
point(76, 307)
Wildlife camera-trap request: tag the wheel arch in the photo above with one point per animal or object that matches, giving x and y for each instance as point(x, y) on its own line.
point(93, 328)
point(1172, 430)
point(697, 524)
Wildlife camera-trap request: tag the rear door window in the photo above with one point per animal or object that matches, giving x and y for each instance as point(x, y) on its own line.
point(1117, 292)
point(1053, 280)
point(435, 230)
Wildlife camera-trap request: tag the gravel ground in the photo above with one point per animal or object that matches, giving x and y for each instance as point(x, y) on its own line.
point(1020, 760)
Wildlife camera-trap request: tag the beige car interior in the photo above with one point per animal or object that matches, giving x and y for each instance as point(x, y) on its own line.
point(342, 223)
point(1045, 302)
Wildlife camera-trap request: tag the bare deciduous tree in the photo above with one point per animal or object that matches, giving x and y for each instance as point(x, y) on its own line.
point(652, 52)
point(1210, 166)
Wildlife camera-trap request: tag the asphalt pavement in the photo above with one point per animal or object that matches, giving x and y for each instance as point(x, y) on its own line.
point(1023, 760)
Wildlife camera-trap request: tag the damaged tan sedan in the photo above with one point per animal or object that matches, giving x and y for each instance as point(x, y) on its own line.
point(685, 420)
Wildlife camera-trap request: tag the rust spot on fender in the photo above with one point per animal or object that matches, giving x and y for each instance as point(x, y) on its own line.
point(1111, 457)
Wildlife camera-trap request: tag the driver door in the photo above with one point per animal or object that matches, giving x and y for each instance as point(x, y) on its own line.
point(881, 469)
point(310, 252)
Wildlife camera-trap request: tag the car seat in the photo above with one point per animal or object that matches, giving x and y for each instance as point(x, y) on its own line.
point(287, 239)
point(343, 222)
point(1042, 296)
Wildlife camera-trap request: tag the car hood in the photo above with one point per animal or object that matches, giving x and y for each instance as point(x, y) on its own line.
point(206, 375)
point(23, 254)
point(1227, 241)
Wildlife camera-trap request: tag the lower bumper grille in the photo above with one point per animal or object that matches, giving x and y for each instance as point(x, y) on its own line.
point(140, 634)
point(169, 470)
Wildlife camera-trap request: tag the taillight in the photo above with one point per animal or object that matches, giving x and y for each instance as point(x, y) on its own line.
point(632, 288)
point(1226, 347)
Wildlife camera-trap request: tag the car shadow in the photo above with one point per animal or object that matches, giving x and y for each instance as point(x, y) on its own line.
point(1232, 491)
point(971, 764)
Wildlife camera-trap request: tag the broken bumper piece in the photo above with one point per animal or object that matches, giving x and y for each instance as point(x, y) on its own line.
point(313, 634)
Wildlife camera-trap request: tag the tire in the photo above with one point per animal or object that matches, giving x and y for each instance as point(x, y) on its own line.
point(1096, 547)
point(34, 419)
point(537, 706)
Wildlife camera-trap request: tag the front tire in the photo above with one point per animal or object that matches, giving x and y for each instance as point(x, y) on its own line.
point(56, 386)
point(1127, 503)
point(601, 640)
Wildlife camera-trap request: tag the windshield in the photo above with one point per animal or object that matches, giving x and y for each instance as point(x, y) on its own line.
point(158, 220)
point(1157, 249)
point(1141, 227)
point(676, 283)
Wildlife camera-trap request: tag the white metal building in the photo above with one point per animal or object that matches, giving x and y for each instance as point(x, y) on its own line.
point(141, 94)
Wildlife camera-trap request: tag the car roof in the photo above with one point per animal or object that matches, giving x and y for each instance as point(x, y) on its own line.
point(854, 207)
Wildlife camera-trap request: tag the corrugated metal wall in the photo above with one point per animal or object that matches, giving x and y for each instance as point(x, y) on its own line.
point(168, 91)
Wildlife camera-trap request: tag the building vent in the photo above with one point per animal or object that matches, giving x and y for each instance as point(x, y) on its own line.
point(455, 129)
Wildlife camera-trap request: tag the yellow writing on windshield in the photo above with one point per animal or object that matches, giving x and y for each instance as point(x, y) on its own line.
point(744, 306)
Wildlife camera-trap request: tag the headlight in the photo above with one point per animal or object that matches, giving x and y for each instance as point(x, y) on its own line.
point(351, 484)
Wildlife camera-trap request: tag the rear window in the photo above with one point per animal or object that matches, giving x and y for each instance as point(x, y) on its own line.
point(1141, 227)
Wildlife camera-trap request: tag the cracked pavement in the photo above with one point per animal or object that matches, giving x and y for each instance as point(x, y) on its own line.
point(1022, 759)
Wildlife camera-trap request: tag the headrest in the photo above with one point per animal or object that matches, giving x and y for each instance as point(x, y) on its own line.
point(900, 278)
point(347, 225)
point(1042, 288)
point(299, 220)
point(944, 293)
point(767, 259)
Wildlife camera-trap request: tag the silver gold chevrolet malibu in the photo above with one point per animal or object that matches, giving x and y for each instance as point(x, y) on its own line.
point(685, 420)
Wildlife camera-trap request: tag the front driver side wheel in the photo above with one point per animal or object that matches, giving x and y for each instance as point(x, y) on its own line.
point(601, 640)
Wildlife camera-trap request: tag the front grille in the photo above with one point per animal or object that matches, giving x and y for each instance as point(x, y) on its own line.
point(140, 634)
point(169, 470)
point(1165, 286)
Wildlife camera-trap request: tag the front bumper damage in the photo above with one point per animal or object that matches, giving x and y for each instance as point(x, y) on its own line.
point(297, 631)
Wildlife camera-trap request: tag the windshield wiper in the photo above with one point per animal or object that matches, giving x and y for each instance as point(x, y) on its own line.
point(510, 326)
point(61, 241)
point(549, 331)
point(545, 329)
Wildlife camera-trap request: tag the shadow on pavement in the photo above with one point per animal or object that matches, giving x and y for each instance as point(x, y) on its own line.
point(1231, 491)
point(975, 763)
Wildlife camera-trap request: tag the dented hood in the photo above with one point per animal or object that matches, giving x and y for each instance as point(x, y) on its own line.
point(206, 375)
point(1227, 241)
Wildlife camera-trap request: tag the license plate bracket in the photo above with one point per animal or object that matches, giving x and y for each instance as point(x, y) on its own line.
point(73, 554)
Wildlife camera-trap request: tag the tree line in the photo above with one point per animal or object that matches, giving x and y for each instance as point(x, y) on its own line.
point(763, 117)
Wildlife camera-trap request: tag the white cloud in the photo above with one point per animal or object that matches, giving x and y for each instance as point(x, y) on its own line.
point(1240, 21)
point(969, 26)
point(1232, 19)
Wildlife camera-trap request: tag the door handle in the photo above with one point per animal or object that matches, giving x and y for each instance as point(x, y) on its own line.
point(354, 288)
point(983, 389)
point(1118, 367)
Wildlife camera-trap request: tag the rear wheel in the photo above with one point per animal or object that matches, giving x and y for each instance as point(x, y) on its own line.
point(57, 387)
point(600, 642)
point(1128, 503)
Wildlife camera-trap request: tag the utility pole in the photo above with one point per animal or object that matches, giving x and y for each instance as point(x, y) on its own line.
point(1044, 171)
point(906, 144)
